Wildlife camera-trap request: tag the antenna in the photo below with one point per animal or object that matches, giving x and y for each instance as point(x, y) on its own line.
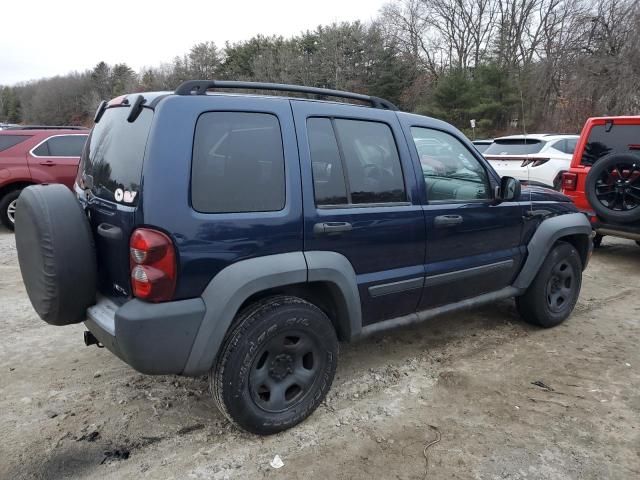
point(524, 132)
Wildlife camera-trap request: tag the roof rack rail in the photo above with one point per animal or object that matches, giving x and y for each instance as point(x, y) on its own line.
point(200, 87)
point(44, 127)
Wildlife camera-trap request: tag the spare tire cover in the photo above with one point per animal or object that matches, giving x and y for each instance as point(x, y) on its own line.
point(601, 167)
point(56, 253)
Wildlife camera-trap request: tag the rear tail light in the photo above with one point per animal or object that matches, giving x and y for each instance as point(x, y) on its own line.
point(534, 162)
point(569, 181)
point(153, 265)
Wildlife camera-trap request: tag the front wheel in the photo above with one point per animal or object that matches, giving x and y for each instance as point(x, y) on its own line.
point(276, 365)
point(554, 292)
point(8, 205)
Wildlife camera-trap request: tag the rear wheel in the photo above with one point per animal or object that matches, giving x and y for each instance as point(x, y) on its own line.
point(276, 365)
point(554, 292)
point(8, 205)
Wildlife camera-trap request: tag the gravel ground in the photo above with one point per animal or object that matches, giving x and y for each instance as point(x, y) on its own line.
point(68, 411)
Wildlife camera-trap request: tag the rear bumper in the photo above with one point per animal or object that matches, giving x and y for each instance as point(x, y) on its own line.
point(152, 338)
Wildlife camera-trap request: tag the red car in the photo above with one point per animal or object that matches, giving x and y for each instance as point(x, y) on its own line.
point(31, 155)
point(604, 178)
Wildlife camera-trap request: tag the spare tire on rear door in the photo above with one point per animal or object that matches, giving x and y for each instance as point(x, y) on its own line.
point(613, 188)
point(56, 253)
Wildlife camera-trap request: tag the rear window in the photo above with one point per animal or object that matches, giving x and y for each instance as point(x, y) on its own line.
point(619, 139)
point(519, 146)
point(112, 158)
point(8, 141)
point(238, 163)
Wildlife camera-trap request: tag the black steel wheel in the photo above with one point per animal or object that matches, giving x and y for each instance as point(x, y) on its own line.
point(276, 365)
point(284, 370)
point(613, 188)
point(561, 285)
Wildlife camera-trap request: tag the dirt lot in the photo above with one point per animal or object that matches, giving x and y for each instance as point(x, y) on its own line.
point(68, 411)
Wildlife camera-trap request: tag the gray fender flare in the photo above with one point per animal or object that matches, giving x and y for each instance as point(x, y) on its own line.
point(232, 286)
point(549, 231)
point(334, 269)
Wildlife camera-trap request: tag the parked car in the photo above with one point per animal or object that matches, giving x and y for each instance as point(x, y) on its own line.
point(482, 145)
point(538, 159)
point(242, 236)
point(4, 126)
point(604, 178)
point(35, 156)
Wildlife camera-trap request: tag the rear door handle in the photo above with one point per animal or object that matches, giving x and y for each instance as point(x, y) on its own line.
point(329, 228)
point(48, 163)
point(447, 220)
point(109, 231)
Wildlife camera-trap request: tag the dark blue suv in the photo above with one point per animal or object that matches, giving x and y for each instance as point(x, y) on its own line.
point(244, 235)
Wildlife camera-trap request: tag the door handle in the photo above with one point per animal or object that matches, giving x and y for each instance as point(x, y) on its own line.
point(331, 228)
point(109, 231)
point(48, 163)
point(447, 220)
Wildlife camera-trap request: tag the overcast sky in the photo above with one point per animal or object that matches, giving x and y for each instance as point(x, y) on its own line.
point(43, 38)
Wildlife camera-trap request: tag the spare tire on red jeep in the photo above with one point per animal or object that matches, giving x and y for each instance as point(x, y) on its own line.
point(56, 253)
point(613, 188)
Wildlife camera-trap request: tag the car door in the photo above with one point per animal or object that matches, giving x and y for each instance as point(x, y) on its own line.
point(360, 200)
point(473, 244)
point(56, 158)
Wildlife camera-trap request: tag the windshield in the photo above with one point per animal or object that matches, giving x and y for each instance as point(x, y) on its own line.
point(514, 146)
point(111, 163)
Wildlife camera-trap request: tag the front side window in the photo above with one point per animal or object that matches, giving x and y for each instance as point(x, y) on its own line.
point(451, 172)
point(354, 162)
point(238, 163)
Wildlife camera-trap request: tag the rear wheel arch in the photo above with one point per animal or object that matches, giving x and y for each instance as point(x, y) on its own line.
point(324, 279)
point(13, 186)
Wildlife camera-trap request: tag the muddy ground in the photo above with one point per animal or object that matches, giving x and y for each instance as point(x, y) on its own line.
point(70, 411)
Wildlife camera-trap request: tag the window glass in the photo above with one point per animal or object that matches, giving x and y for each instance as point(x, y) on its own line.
point(514, 146)
point(114, 154)
point(8, 141)
point(619, 139)
point(65, 145)
point(450, 171)
point(571, 145)
point(560, 145)
point(328, 178)
point(372, 162)
point(238, 163)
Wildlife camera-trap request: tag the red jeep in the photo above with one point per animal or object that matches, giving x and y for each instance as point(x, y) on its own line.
point(604, 178)
point(31, 155)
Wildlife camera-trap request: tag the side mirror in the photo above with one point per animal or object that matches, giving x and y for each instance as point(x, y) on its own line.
point(509, 190)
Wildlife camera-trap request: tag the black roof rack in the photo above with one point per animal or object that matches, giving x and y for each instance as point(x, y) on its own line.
point(200, 87)
point(44, 127)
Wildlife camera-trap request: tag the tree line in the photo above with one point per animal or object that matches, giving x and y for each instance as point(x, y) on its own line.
point(512, 65)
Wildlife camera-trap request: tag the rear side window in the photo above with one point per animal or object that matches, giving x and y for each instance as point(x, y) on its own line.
point(111, 163)
point(519, 146)
point(354, 162)
point(61, 146)
point(8, 141)
point(328, 177)
point(619, 139)
point(238, 163)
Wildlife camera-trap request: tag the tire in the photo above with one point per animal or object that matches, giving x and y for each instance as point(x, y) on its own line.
point(597, 240)
point(8, 209)
point(276, 365)
point(554, 292)
point(56, 253)
point(638, 242)
point(613, 188)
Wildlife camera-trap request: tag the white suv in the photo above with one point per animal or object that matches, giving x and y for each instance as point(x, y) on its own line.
point(538, 159)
